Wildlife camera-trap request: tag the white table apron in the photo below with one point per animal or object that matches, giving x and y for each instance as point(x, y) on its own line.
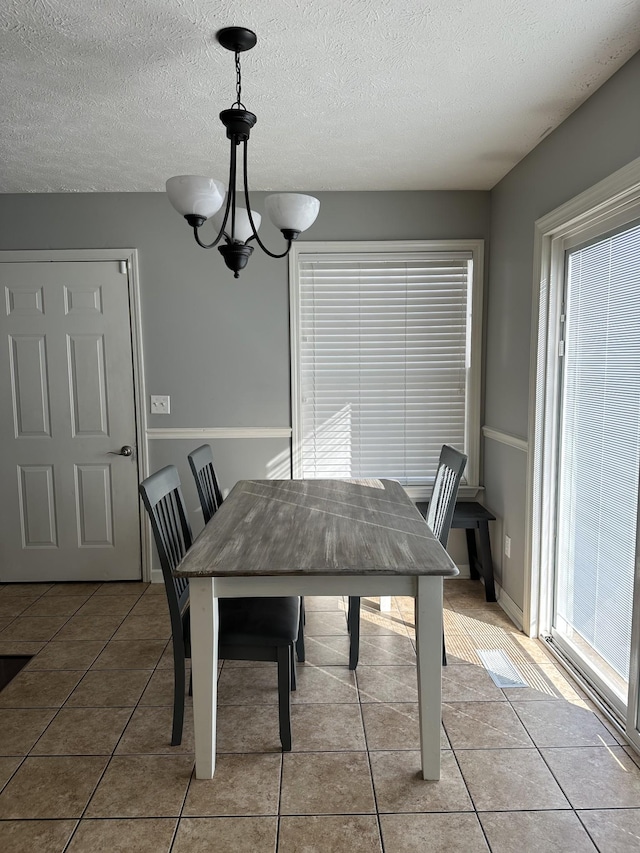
point(204, 594)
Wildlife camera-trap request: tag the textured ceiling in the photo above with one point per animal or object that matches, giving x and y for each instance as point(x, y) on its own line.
point(113, 95)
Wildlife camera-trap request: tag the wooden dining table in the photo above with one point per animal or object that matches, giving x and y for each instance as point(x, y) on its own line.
point(316, 537)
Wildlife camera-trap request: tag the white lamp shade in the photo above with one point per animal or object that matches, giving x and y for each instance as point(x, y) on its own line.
point(195, 194)
point(243, 229)
point(292, 211)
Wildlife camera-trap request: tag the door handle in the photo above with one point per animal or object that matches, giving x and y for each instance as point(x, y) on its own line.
point(125, 450)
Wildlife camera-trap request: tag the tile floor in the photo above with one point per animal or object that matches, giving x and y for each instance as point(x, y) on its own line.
point(86, 765)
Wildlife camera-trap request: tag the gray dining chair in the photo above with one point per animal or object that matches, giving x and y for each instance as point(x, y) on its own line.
point(260, 629)
point(206, 479)
point(442, 505)
point(210, 495)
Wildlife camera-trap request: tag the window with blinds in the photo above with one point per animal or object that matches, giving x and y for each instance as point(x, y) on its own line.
point(383, 351)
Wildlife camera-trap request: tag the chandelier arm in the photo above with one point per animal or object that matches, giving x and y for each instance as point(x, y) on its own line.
point(232, 183)
point(254, 236)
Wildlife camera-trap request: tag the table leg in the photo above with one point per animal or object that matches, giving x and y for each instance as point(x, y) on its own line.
point(204, 670)
point(429, 646)
point(385, 603)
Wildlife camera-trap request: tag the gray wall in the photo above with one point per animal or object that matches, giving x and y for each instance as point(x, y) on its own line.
point(220, 346)
point(601, 136)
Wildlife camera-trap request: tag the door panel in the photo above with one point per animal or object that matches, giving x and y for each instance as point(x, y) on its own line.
point(37, 506)
point(88, 385)
point(69, 500)
point(94, 505)
point(598, 461)
point(29, 389)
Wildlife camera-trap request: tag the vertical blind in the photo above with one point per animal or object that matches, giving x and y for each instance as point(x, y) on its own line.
point(384, 350)
point(600, 447)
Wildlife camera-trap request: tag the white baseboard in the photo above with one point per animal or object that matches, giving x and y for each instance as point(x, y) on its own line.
point(509, 606)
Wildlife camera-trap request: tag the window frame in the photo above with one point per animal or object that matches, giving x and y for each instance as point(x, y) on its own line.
point(473, 400)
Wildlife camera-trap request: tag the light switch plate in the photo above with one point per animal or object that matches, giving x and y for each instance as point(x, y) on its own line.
point(160, 404)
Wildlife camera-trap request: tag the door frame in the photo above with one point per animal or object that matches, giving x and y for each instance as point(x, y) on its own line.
point(130, 258)
point(602, 207)
point(599, 204)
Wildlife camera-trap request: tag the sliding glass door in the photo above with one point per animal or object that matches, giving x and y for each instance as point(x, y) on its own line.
point(598, 458)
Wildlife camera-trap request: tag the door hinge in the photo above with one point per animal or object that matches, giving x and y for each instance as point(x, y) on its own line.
point(560, 349)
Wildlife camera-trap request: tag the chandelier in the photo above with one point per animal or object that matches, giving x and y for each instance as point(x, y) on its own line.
point(198, 198)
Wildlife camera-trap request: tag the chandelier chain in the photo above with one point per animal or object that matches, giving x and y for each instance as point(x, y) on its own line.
point(238, 102)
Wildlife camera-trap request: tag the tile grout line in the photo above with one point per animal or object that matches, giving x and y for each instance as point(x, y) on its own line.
point(473, 802)
point(370, 766)
point(586, 829)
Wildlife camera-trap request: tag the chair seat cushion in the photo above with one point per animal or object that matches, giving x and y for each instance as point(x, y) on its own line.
point(259, 621)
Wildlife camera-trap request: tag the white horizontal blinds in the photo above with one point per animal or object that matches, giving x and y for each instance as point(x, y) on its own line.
point(383, 362)
point(600, 455)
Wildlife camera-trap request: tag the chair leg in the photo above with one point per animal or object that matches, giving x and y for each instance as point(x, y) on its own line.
point(473, 554)
point(353, 624)
point(178, 693)
point(487, 561)
point(285, 653)
point(300, 653)
point(294, 675)
point(186, 638)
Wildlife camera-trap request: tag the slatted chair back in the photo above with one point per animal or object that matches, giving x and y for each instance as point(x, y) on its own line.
point(162, 498)
point(201, 463)
point(445, 491)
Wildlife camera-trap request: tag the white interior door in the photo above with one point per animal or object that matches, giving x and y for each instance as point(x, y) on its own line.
point(70, 506)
